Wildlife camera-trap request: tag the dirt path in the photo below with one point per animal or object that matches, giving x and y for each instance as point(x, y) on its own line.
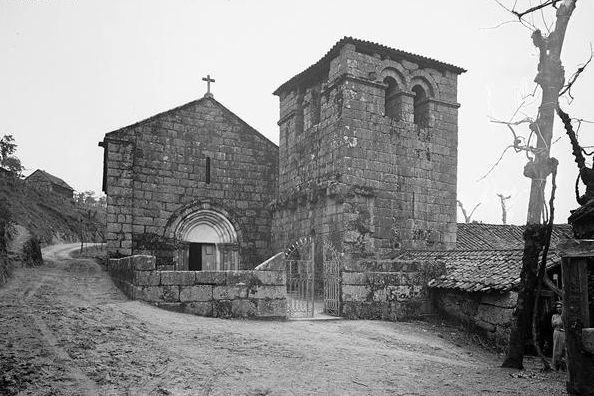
point(66, 330)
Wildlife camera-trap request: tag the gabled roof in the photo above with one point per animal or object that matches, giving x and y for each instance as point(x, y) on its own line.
point(322, 66)
point(479, 236)
point(115, 134)
point(51, 178)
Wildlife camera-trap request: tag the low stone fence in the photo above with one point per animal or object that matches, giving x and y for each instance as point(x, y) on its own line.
point(222, 294)
point(384, 289)
point(491, 313)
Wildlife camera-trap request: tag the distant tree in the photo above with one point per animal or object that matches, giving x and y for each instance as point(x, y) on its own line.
point(503, 198)
point(8, 161)
point(467, 217)
point(102, 201)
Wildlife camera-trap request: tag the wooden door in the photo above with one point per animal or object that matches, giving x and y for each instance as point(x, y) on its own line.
point(209, 262)
point(195, 257)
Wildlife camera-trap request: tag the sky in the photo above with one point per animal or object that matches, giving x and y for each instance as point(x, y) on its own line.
point(72, 71)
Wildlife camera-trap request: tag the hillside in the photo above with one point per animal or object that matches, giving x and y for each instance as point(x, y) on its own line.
point(48, 216)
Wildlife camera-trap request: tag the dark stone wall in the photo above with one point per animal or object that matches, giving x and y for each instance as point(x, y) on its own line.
point(157, 167)
point(489, 313)
point(222, 294)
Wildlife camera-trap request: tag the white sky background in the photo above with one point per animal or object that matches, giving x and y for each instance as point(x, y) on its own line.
point(72, 71)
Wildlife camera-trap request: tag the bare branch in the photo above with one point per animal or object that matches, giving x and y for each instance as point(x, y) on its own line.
point(495, 164)
point(473, 209)
point(535, 8)
point(499, 25)
point(524, 22)
point(574, 77)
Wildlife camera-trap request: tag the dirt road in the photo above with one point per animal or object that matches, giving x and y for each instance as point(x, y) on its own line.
point(66, 330)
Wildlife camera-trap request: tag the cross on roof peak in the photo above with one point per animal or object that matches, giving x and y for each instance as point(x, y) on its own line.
point(208, 81)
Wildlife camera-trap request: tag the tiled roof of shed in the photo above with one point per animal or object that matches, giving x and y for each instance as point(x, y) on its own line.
point(477, 270)
point(488, 257)
point(479, 236)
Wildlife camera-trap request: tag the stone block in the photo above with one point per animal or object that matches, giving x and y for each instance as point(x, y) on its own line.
point(221, 308)
point(181, 278)
point(494, 315)
point(505, 300)
point(272, 292)
point(243, 308)
point(147, 278)
point(489, 327)
point(170, 293)
point(150, 293)
point(356, 293)
point(401, 293)
point(363, 310)
point(272, 308)
point(248, 278)
point(226, 292)
point(383, 279)
point(275, 278)
point(354, 278)
point(201, 308)
point(144, 262)
point(195, 293)
point(211, 278)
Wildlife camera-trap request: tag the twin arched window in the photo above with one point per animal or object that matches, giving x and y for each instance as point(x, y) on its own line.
point(393, 103)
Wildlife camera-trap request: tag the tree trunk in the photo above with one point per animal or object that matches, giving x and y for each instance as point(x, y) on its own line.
point(550, 78)
point(522, 317)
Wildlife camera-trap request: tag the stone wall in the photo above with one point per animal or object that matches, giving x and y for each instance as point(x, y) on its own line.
point(195, 156)
point(221, 294)
point(491, 313)
point(384, 289)
point(372, 181)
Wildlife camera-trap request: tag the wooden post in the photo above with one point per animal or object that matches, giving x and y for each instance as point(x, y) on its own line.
point(578, 258)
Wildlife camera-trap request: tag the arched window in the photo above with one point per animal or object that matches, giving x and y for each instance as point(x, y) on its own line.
point(421, 107)
point(393, 103)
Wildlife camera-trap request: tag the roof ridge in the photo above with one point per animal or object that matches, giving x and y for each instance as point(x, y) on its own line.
point(324, 61)
point(193, 102)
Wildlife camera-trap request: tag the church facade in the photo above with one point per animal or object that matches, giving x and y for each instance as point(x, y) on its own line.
point(366, 160)
point(191, 186)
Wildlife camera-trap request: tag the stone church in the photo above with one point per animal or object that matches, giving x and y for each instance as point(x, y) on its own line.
point(367, 160)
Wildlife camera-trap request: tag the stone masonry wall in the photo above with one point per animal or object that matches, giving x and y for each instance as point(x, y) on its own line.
point(158, 167)
point(222, 294)
point(384, 289)
point(380, 182)
point(490, 313)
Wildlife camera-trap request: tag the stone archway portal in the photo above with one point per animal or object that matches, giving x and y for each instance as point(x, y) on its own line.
point(211, 242)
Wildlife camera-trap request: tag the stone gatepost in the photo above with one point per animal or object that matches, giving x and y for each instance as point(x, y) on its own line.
point(578, 296)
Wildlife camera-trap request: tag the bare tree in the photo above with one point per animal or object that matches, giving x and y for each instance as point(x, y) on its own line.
point(550, 78)
point(467, 217)
point(502, 199)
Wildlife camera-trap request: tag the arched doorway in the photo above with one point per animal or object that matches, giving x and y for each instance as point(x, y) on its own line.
point(211, 242)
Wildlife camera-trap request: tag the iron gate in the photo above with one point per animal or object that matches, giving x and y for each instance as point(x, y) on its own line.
point(300, 278)
point(332, 280)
